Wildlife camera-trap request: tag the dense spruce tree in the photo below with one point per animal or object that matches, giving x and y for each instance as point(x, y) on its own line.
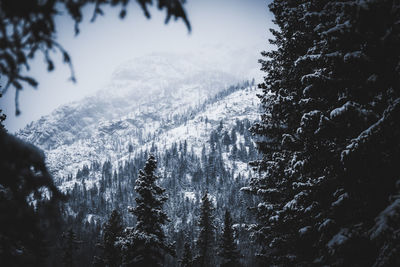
point(228, 250)
point(329, 135)
point(206, 239)
point(281, 92)
point(146, 244)
point(187, 258)
point(112, 230)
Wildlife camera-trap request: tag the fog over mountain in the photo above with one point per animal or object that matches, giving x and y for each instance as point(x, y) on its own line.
point(142, 94)
point(224, 31)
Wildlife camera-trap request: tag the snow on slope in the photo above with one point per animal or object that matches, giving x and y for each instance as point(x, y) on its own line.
point(67, 159)
point(143, 104)
point(242, 104)
point(137, 86)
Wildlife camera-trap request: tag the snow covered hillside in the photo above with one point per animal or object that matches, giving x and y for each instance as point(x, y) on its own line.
point(158, 99)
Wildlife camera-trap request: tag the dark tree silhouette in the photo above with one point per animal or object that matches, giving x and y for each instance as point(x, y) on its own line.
point(228, 249)
point(112, 230)
point(329, 136)
point(206, 240)
point(27, 28)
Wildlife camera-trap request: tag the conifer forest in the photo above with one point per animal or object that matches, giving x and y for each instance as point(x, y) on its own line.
point(283, 154)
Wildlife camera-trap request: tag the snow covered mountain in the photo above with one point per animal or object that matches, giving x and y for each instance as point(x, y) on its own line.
point(158, 99)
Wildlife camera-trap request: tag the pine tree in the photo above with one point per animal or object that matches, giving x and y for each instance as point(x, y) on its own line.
point(226, 140)
point(187, 259)
point(112, 230)
point(145, 244)
point(233, 136)
point(327, 178)
point(206, 240)
point(228, 250)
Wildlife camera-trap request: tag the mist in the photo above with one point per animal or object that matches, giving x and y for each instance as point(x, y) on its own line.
point(228, 33)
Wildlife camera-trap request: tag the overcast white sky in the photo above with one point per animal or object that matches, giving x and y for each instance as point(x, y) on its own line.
point(102, 46)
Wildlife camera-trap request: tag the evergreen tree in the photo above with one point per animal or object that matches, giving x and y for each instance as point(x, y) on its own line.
point(206, 240)
point(228, 250)
point(327, 177)
point(226, 140)
point(187, 259)
point(112, 230)
point(233, 136)
point(220, 127)
point(234, 152)
point(145, 244)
